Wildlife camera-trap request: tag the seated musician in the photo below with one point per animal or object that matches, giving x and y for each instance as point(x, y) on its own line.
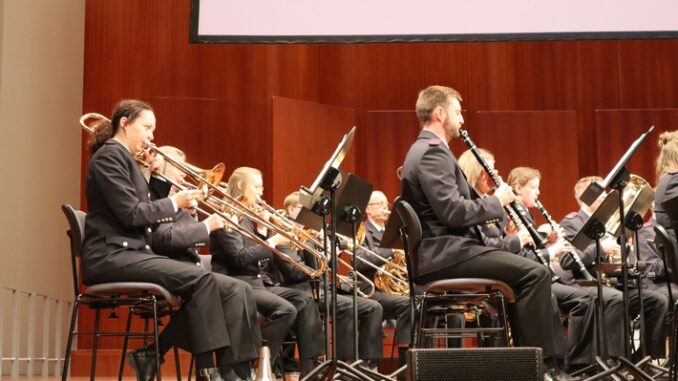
point(655, 274)
point(369, 312)
point(576, 302)
point(242, 257)
point(452, 245)
point(118, 237)
point(655, 304)
point(666, 192)
point(180, 240)
point(395, 305)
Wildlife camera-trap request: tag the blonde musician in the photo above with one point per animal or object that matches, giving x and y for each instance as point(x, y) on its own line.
point(241, 257)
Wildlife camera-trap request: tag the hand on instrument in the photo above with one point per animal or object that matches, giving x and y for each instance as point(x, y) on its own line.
point(552, 236)
point(214, 222)
point(525, 237)
point(187, 198)
point(278, 240)
point(559, 248)
point(611, 247)
point(505, 194)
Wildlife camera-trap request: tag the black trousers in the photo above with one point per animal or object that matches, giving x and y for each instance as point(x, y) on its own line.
point(370, 316)
point(241, 321)
point(217, 311)
point(307, 327)
point(661, 288)
point(655, 306)
point(279, 315)
point(580, 307)
point(531, 315)
point(396, 307)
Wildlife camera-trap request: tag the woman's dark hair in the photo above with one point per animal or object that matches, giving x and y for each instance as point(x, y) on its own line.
point(104, 130)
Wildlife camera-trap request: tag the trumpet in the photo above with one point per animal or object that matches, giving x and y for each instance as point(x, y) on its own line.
point(201, 179)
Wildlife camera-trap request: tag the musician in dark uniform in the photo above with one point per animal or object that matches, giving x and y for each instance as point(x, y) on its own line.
point(654, 264)
point(395, 306)
point(666, 192)
point(655, 304)
point(370, 313)
point(450, 215)
point(180, 240)
point(118, 237)
point(577, 302)
point(284, 308)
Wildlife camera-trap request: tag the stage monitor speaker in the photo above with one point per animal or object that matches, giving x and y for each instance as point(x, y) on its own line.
point(475, 364)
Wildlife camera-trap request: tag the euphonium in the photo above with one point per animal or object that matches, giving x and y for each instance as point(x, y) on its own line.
point(637, 192)
point(391, 277)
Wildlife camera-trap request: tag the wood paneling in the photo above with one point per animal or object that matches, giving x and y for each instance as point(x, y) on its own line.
point(214, 101)
point(616, 130)
point(305, 134)
point(544, 140)
point(384, 137)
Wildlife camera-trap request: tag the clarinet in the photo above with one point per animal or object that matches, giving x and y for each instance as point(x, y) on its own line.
point(559, 233)
point(515, 211)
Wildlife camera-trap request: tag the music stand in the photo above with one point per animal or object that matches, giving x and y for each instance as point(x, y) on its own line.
point(594, 189)
point(617, 179)
point(315, 199)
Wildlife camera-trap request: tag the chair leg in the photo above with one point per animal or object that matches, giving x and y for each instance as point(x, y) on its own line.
point(130, 313)
point(69, 343)
point(504, 318)
point(177, 363)
point(420, 324)
point(191, 365)
point(155, 335)
point(95, 343)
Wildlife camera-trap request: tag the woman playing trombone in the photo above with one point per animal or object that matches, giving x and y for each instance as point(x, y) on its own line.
point(119, 228)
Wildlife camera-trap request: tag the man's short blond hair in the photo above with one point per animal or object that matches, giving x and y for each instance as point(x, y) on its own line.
point(432, 97)
point(581, 185)
point(291, 199)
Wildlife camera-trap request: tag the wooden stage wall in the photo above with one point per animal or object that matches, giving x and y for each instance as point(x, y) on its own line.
point(568, 108)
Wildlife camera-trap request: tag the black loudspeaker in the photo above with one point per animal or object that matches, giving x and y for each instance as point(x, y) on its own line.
point(475, 364)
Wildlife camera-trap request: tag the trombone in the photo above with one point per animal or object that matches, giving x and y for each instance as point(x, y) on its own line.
point(202, 179)
point(304, 235)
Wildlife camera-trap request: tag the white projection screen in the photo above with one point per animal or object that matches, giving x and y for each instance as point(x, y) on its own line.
point(351, 21)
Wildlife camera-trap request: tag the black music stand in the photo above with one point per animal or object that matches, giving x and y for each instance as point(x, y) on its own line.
point(592, 231)
point(617, 180)
point(320, 198)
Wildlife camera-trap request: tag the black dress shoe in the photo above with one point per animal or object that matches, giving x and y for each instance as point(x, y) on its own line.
point(213, 374)
point(142, 360)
